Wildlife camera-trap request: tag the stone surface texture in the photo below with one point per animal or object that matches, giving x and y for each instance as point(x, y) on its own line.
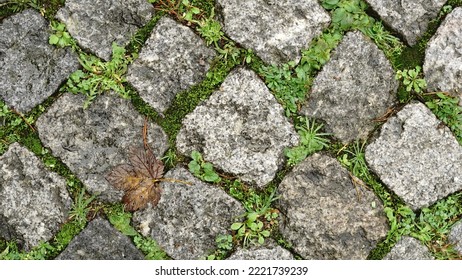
point(188, 218)
point(240, 129)
point(409, 248)
point(92, 141)
point(276, 30)
point(326, 216)
point(34, 202)
point(356, 86)
point(172, 60)
point(408, 17)
point(100, 241)
point(455, 236)
point(417, 157)
point(30, 69)
point(270, 251)
point(107, 21)
point(443, 56)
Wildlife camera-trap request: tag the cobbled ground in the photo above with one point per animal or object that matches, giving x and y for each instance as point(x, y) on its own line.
point(187, 94)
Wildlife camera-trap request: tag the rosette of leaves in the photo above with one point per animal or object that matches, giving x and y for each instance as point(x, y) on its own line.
point(139, 179)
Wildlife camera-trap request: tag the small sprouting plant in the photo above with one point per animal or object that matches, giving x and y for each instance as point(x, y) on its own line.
point(81, 209)
point(61, 37)
point(19, 5)
point(201, 169)
point(259, 220)
point(391, 45)
point(447, 109)
point(98, 76)
point(355, 160)
point(412, 79)
point(210, 29)
point(311, 140)
point(224, 245)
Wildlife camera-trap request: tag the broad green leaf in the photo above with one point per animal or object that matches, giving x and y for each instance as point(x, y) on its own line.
point(53, 40)
point(236, 226)
point(195, 155)
point(194, 168)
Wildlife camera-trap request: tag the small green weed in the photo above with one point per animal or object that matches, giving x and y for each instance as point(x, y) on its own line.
point(224, 245)
point(61, 37)
point(259, 219)
point(412, 79)
point(98, 76)
point(201, 169)
point(19, 5)
point(447, 109)
point(311, 140)
point(210, 29)
point(81, 209)
point(355, 159)
point(290, 89)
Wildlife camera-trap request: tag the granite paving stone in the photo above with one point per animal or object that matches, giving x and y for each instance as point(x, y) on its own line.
point(355, 87)
point(100, 241)
point(188, 218)
point(443, 56)
point(240, 129)
point(106, 22)
point(91, 142)
point(326, 216)
point(276, 30)
point(409, 248)
point(455, 236)
point(30, 69)
point(34, 201)
point(173, 59)
point(417, 157)
point(268, 251)
point(409, 17)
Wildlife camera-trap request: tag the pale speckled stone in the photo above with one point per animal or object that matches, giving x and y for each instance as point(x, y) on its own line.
point(268, 251)
point(409, 17)
point(409, 248)
point(455, 236)
point(443, 56)
point(34, 202)
point(91, 142)
point(96, 24)
point(356, 86)
point(240, 129)
point(416, 157)
point(173, 59)
point(276, 30)
point(30, 69)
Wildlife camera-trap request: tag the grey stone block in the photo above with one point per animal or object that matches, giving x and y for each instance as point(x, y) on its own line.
point(188, 218)
point(276, 30)
point(30, 69)
point(455, 236)
point(96, 24)
point(408, 17)
point(100, 241)
point(172, 60)
point(409, 248)
point(417, 157)
point(34, 202)
point(356, 86)
point(443, 56)
point(91, 142)
point(240, 129)
point(268, 251)
point(326, 216)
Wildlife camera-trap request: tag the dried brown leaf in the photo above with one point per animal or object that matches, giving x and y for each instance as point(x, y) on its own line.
point(145, 163)
point(123, 177)
point(138, 198)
